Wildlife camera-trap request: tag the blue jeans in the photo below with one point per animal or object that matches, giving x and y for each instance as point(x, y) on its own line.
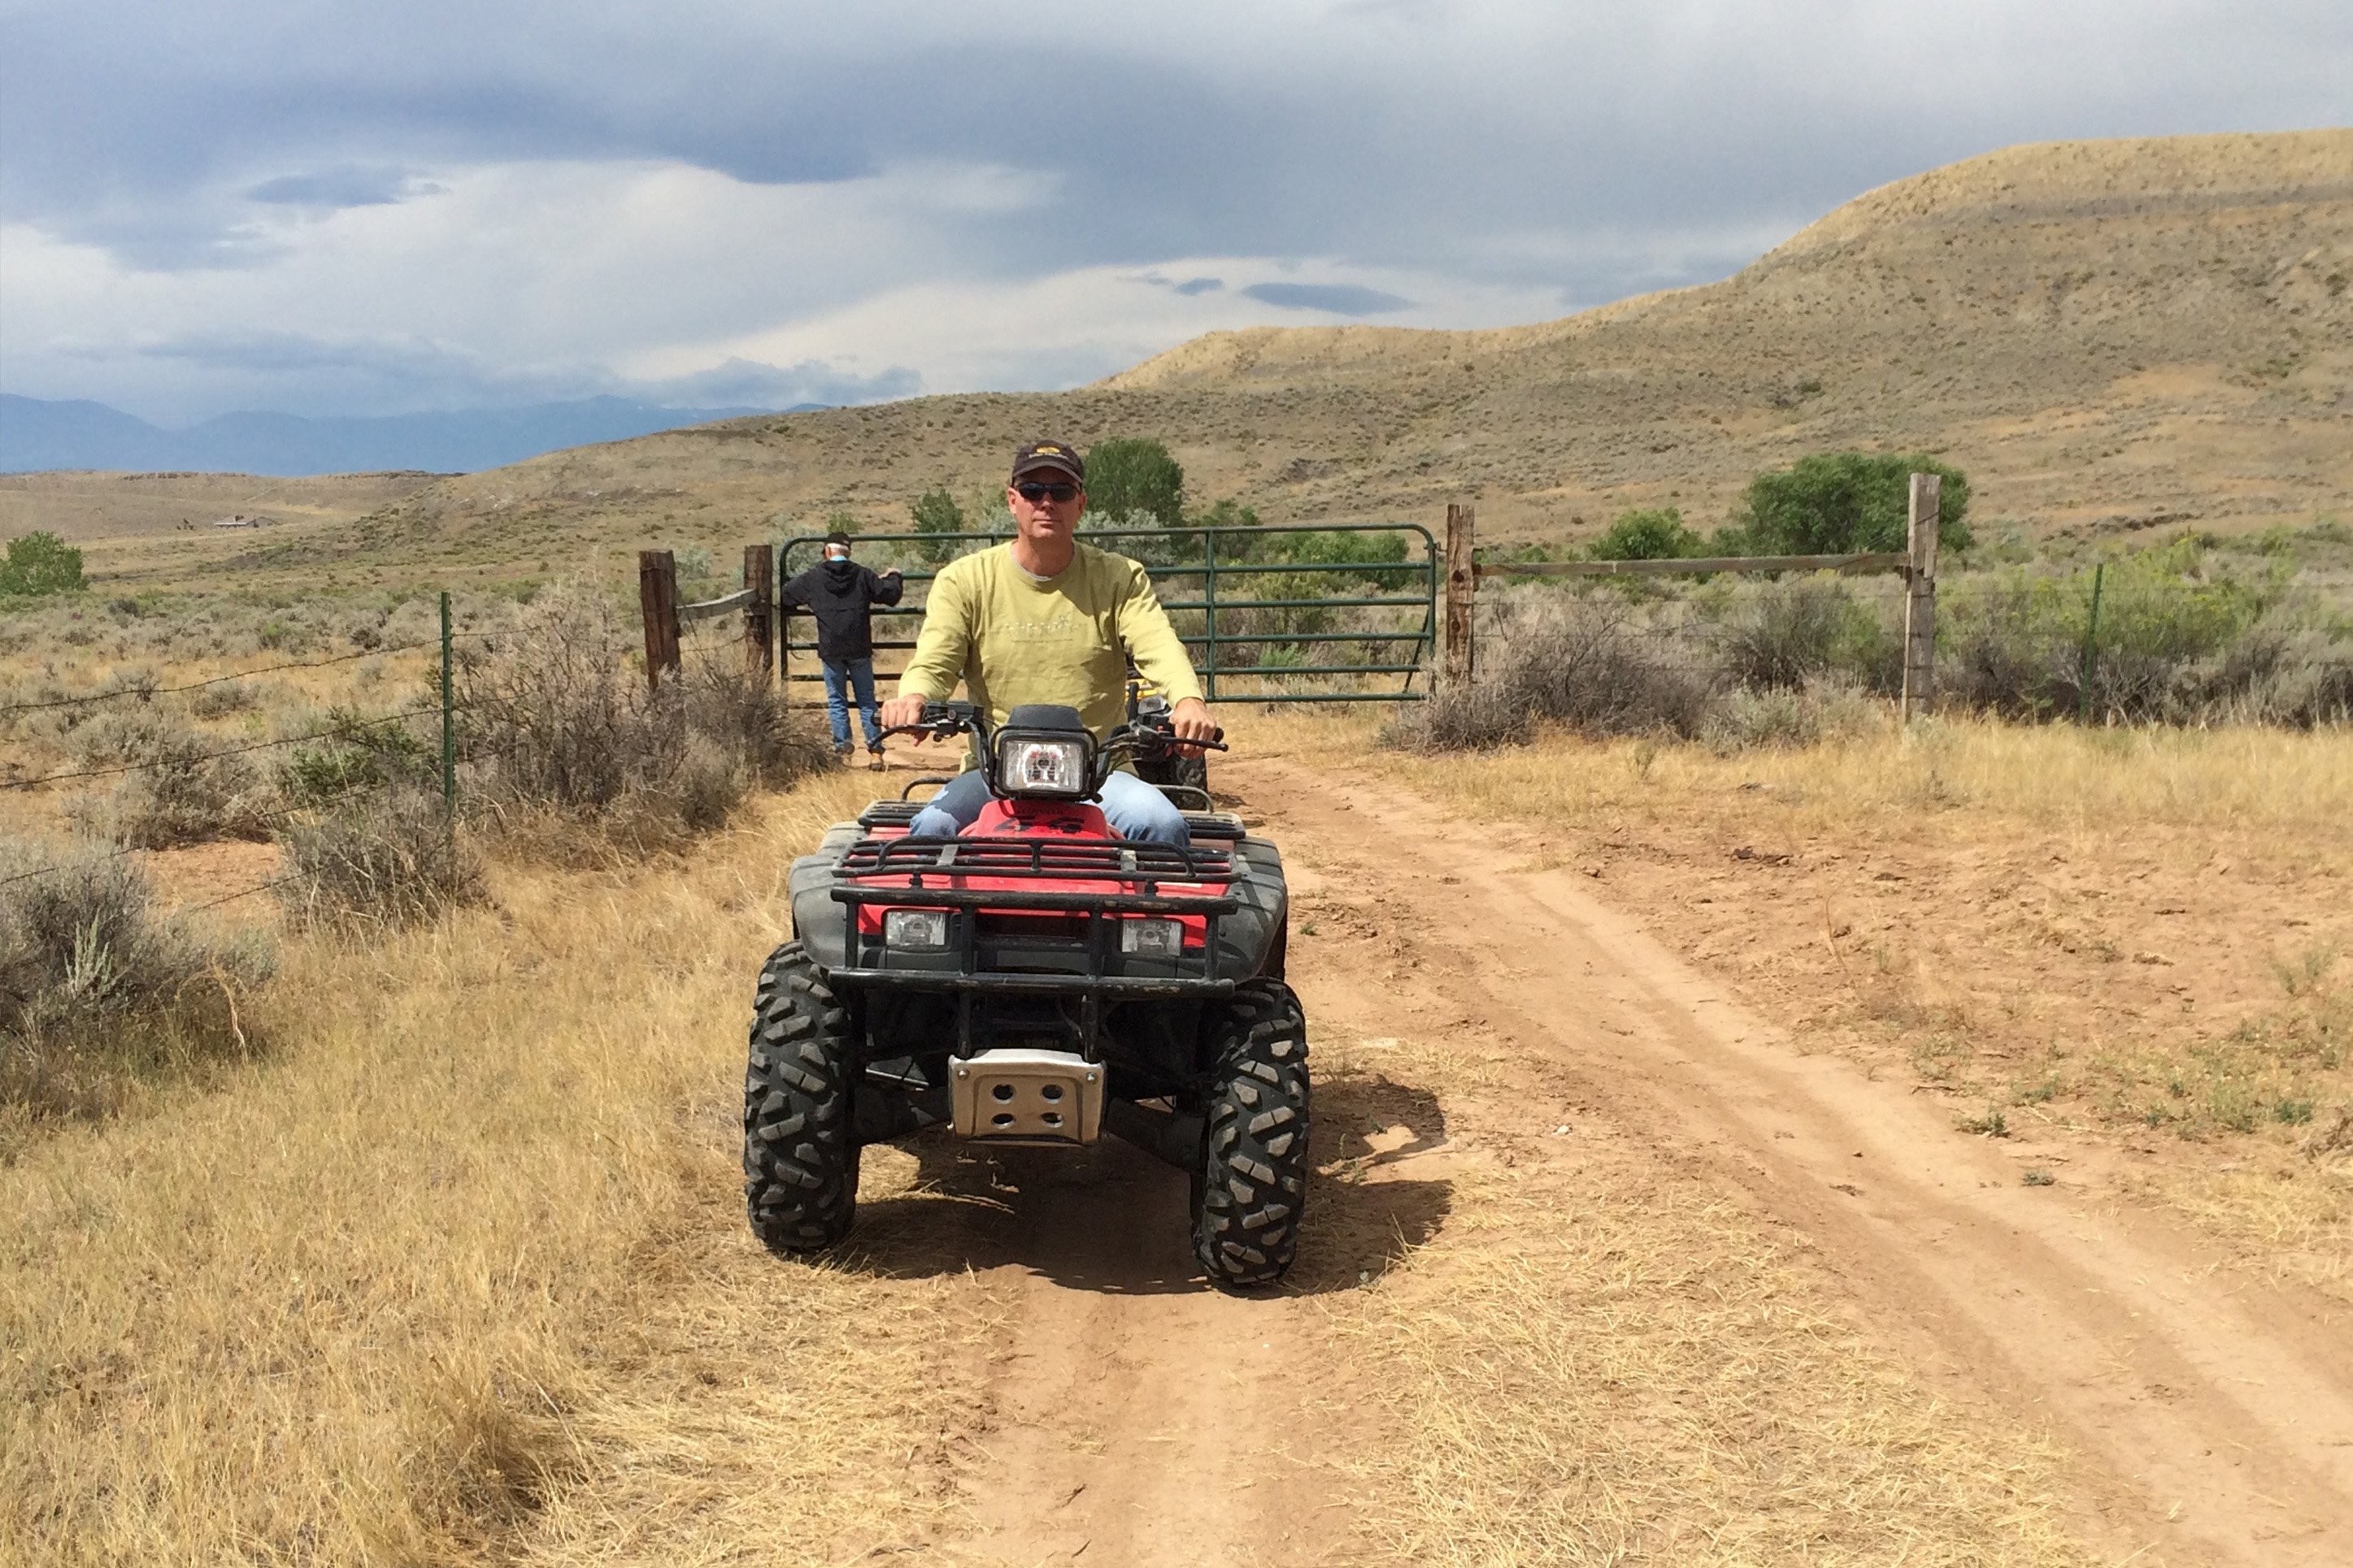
point(840, 676)
point(1135, 809)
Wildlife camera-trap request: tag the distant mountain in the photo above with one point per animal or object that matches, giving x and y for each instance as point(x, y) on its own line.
point(37, 434)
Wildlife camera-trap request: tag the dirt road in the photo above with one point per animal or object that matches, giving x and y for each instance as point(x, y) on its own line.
point(1136, 1418)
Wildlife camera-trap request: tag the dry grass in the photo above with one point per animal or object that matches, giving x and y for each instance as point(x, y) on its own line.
point(379, 859)
point(1601, 1360)
point(461, 1273)
point(102, 992)
point(2054, 776)
point(2133, 937)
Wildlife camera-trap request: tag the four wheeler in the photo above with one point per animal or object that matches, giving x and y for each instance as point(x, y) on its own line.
point(1034, 980)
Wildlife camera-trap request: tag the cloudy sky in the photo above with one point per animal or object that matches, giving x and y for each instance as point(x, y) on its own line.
point(335, 207)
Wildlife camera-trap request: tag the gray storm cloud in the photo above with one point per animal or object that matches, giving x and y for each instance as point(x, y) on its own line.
point(1426, 162)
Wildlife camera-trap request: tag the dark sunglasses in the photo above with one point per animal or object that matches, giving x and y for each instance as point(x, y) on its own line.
point(1036, 491)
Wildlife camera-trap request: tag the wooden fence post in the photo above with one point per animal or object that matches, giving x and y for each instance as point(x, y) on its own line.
point(759, 615)
point(1461, 590)
point(1920, 600)
point(658, 599)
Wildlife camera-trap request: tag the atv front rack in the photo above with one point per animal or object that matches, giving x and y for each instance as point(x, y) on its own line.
point(1068, 860)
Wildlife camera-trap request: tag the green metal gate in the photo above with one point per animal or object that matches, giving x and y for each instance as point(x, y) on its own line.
point(1276, 646)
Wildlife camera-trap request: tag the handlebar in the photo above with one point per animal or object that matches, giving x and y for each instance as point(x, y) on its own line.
point(941, 722)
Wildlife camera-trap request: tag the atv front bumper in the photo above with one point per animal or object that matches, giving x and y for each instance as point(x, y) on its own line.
point(1086, 962)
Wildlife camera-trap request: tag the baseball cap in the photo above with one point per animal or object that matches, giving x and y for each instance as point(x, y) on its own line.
point(1037, 455)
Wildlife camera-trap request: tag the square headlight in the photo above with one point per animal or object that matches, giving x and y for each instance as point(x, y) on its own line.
point(1151, 939)
point(1043, 767)
point(915, 931)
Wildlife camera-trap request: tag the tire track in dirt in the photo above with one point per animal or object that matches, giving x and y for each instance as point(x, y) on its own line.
point(1132, 1415)
point(2216, 1415)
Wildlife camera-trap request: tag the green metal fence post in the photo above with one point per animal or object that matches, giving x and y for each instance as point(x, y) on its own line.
point(1209, 598)
point(2091, 647)
point(449, 724)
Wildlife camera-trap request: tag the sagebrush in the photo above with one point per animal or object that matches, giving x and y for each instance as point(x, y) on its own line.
point(99, 988)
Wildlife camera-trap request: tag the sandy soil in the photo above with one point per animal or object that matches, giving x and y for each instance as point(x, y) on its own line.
point(1132, 1416)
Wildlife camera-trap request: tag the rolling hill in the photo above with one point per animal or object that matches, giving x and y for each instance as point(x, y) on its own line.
point(2108, 336)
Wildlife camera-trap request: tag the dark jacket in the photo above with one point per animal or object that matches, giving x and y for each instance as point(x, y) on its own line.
point(837, 594)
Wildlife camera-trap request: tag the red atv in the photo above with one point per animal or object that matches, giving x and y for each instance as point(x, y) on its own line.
point(1034, 980)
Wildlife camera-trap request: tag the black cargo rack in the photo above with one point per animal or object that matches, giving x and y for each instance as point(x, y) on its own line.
point(1027, 858)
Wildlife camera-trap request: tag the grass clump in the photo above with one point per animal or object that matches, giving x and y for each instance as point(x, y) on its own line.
point(1593, 664)
point(379, 859)
point(1771, 665)
point(98, 989)
point(561, 731)
point(178, 788)
point(1784, 635)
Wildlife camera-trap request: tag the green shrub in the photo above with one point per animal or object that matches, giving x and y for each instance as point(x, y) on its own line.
point(1742, 719)
point(1135, 483)
point(1648, 535)
point(1838, 503)
point(936, 514)
point(39, 563)
point(2177, 641)
point(361, 753)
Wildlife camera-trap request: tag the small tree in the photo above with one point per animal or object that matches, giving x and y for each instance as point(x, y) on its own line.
point(1835, 503)
point(39, 563)
point(936, 514)
point(1134, 481)
point(1643, 534)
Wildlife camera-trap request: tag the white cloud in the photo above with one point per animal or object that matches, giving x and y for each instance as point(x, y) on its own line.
point(441, 199)
point(1076, 326)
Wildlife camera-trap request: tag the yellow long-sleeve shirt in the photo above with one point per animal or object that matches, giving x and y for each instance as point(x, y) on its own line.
point(1013, 639)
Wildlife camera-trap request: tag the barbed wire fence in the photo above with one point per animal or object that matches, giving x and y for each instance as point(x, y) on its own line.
point(1706, 634)
point(184, 761)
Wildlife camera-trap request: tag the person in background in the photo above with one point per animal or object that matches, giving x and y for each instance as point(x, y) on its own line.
point(841, 594)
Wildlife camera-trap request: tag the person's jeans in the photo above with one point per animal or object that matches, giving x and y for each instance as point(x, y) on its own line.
point(843, 676)
point(1134, 808)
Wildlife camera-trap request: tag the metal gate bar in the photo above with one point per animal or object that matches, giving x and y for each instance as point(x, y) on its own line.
point(1417, 591)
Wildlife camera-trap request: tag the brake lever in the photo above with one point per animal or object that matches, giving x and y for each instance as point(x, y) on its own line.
point(1167, 738)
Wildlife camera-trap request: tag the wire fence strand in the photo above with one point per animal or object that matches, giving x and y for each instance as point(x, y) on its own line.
point(330, 731)
point(144, 693)
point(246, 893)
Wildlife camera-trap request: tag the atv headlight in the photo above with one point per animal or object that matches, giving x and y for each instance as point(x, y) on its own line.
point(1025, 766)
point(1151, 939)
point(915, 931)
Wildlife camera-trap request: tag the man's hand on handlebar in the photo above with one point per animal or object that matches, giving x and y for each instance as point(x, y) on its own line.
point(901, 711)
point(1190, 720)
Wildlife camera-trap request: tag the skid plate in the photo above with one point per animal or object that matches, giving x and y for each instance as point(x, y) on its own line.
point(1035, 1096)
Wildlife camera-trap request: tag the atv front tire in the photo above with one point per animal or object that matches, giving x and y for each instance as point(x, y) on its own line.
point(1252, 1183)
point(800, 1165)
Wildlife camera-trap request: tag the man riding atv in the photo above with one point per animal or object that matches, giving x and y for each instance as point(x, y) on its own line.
point(1049, 949)
point(1045, 619)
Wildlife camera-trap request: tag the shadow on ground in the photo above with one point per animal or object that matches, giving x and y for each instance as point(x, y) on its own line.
point(1115, 1220)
